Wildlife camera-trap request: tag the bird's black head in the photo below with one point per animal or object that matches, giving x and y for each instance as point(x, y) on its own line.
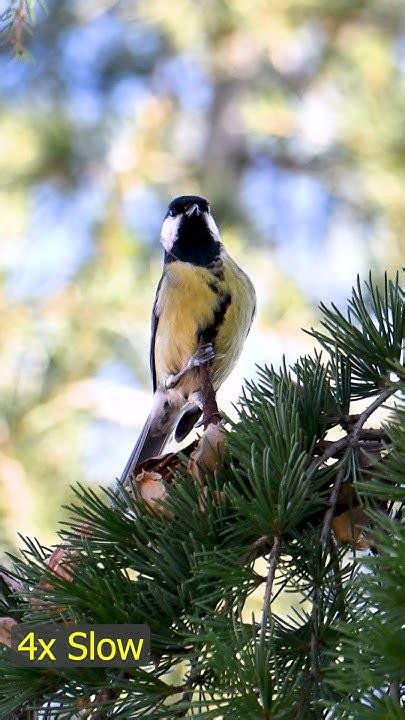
point(189, 232)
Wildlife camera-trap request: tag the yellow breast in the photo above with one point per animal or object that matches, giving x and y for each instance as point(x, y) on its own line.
point(188, 298)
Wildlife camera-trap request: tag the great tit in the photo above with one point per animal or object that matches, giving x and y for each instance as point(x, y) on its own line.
point(203, 310)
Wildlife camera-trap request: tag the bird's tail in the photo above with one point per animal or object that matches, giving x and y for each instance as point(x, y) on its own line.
point(147, 446)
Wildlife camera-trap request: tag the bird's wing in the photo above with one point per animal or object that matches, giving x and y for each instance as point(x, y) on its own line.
point(153, 330)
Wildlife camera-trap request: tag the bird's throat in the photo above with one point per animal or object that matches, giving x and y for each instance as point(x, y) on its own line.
point(194, 244)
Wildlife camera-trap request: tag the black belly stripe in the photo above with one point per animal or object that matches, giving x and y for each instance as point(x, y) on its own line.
point(209, 333)
point(216, 268)
point(218, 273)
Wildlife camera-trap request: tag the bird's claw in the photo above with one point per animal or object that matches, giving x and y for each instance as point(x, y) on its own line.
point(172, 380)
point(203, 355)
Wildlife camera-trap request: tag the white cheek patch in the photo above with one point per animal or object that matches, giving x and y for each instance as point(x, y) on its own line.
point(169, 232)
point(212, 226)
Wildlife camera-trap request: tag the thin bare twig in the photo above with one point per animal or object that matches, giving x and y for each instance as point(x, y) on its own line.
point(189, 685)
point(351, 439)
point(333, 450)
point(367, 435)
point(23, 715)
point(334, 496)
point(315, 633)
point(250, 554)
point(18, 33)
point(274, 556)
point(355, 432)
point(380, 400)
point(394, 691)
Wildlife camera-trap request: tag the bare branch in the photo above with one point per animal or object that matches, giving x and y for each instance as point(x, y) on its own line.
point(274, 556)
point(334, 496)
point(189, 687)
point(380, 400)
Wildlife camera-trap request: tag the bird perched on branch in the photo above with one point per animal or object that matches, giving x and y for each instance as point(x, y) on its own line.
point(203, 310)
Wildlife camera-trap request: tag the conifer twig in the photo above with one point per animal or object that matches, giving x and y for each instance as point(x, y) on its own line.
point(354, 434)
point(368, 435)
point(250, 554)
point(315, 633)
point(189, 685)
point(314, 645)
point(274, 556)
point(331, 451)
point(334, 496)
point(394, 691)
point(351, 439)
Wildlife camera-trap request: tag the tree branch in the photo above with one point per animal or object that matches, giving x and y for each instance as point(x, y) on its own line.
point(368, 435)
point(334, 496)
point(354, 434)
point(315, 633)
point(394, 691)
point(274, 556)
point(189, 688)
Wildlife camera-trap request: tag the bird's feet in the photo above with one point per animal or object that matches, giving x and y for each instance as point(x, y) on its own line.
point(203, 355)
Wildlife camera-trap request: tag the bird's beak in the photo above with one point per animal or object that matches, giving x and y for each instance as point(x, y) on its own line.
point(193, 210)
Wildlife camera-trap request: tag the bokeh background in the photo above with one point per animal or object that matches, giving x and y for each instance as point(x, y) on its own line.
point(288, 115)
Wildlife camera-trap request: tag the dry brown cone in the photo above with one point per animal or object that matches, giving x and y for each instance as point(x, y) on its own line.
point(348, 528)
point(350, 522)
point(6, 625)
point(208, 454)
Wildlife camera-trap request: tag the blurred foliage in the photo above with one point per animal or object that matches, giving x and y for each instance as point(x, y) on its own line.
point(287, 115)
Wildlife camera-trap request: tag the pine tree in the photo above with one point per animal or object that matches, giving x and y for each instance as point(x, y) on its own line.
point(302, 483)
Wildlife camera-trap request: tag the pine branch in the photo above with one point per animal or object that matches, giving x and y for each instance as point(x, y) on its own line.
point(367, 435)
point(314, 674)
point(315, 633)
point(351, 439)
point(333, 499)
point(394, 691)
point(333, 450)
point(274, 556)
point(354, 434)
point(189, 688)
point(15, 20)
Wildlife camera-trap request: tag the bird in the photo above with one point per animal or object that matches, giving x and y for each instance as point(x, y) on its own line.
point(202, 313)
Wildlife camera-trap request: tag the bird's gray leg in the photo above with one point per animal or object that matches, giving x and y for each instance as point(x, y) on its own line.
point(204, 354)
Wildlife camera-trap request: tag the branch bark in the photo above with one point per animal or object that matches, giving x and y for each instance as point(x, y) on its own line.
point(274, 556)
point(189, 685)
point(350, 441)
point(334, 496)
point(380, 400)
